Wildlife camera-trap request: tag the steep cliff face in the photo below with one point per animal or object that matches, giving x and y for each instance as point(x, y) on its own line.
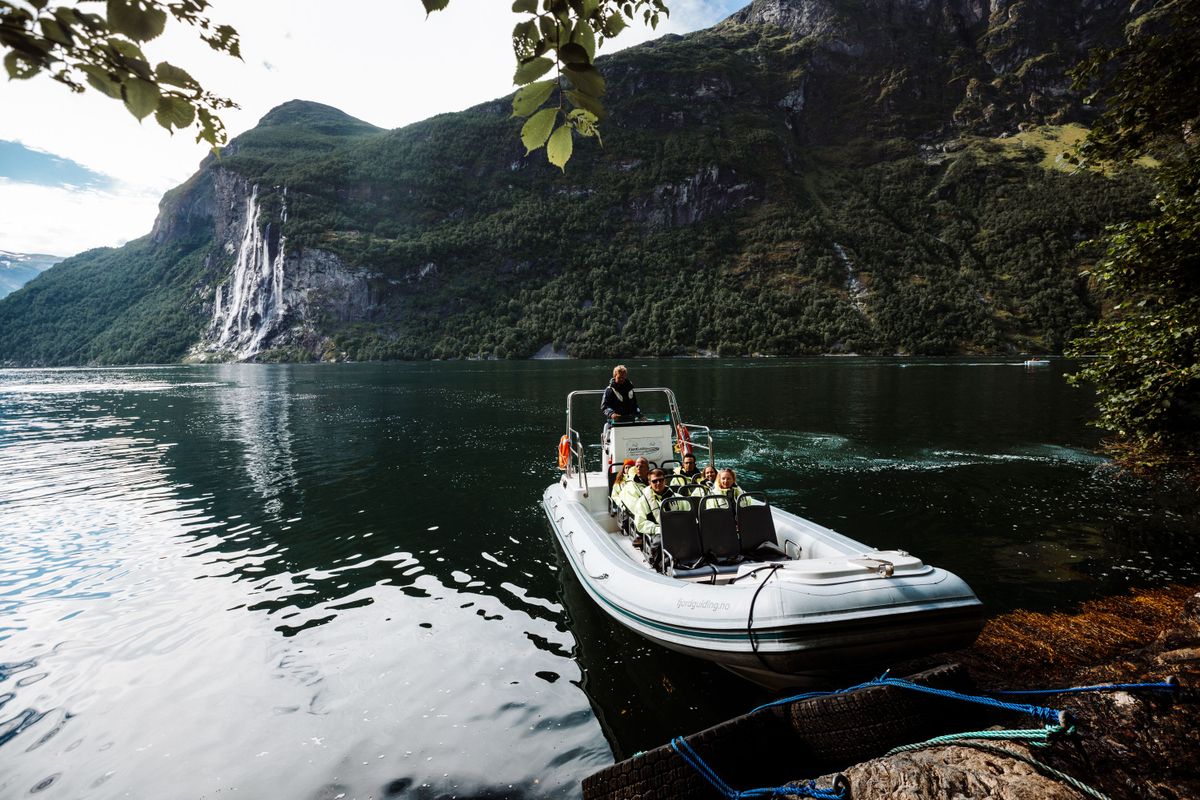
point(262, 295)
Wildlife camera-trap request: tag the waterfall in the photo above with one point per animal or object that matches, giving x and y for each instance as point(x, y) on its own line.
point(858, 291)
point(250, 305)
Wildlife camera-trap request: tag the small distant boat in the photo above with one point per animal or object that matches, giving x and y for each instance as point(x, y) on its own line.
point(1037, 362)
point(764, 593)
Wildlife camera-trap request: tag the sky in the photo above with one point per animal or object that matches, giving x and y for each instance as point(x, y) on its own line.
point(77, 171)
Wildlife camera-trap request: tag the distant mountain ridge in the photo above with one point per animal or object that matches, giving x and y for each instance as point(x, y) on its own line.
point(18, 269)
point(808, 176)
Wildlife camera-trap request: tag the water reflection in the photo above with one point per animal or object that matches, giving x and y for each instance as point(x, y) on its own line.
point(306, 581)
point(254, 409)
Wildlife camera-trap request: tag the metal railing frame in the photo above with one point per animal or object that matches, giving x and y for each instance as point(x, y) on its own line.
point(701, 435)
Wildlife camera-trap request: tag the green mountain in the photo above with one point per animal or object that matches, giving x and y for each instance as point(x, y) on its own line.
point(871, 176)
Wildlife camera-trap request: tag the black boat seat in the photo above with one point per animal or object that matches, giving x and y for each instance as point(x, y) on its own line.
point(718, 530)
point(680, 532)
point(756, 528)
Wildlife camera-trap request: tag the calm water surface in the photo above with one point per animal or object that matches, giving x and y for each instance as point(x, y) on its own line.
point(336, 581)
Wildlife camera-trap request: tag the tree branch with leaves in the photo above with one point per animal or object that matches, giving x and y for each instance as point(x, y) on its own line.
point(563, 35)
point(78, 48)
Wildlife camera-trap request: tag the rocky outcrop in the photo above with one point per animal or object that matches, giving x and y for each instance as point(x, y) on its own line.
point(711, 191)
point(986, 64)
point(953, 771)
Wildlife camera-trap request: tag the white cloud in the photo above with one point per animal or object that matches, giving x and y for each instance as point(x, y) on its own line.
point(379, 60)
point(59, 221)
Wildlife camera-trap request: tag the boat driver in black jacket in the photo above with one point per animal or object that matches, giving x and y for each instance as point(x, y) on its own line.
point(619, 404)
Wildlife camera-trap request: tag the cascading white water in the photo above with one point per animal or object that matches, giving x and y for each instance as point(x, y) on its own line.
point(250, 305)
point(858, 292)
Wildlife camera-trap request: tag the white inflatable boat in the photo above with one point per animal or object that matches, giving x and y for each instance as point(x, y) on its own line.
point(771, 596)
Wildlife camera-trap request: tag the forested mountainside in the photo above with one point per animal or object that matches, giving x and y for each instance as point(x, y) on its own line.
point(871, 176)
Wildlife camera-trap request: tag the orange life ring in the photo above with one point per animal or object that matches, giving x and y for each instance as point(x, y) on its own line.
point(564, 451)
point(683, 440)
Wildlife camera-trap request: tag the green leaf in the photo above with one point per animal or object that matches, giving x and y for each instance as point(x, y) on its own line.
point(572, 53)
point(434, 5)
point(586, 79)
point(537, 128)
point(584, 121)
point(100, 79)
point(20, 68)
point(613, 25)
point(585, 37)
point(525, 6)
point(580, 100)
point(590, 7)
point(141, 97)
point(54, 31)
point(211, 130)
point(174, 76)
point(529, 71)
point(139, 22)
point(526, 39)
point(174, 111)
point(558, 149)
point(527, 100)
point(124, 49)
point(68, 16)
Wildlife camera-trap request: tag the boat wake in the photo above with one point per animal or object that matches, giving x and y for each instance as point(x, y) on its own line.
point(755, 453)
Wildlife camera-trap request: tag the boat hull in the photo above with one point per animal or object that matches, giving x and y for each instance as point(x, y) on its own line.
point(796, 624)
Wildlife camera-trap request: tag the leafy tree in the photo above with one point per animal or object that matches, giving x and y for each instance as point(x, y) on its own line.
point(1148, 373)
point(76, 47)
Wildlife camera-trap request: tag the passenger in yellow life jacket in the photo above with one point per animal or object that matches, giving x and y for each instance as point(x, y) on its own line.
point(618, 487)
point(646, 514)
point(685, 473)
point(727, 487)
point(635, 481)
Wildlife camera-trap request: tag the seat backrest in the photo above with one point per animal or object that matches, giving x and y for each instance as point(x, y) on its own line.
point(754, 521)
point(686, 487)
point(613, 471)
point(718, 528)
point(680, 534)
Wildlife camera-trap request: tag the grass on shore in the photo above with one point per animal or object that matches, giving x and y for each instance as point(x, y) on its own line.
point(1040, 648)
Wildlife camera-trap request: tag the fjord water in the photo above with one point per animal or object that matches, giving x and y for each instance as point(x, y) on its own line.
point(336, 581)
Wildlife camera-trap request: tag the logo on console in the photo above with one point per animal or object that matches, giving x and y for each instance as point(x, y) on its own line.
point(642, 447)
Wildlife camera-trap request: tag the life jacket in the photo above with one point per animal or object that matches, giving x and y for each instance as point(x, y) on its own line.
point(648, 508)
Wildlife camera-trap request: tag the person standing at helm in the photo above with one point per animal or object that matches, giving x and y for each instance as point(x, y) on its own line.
point(619, 404)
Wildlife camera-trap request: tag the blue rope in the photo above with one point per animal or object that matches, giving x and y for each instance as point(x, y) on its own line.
point(693, 759)
point(1165, 686)
point(1039, 712)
